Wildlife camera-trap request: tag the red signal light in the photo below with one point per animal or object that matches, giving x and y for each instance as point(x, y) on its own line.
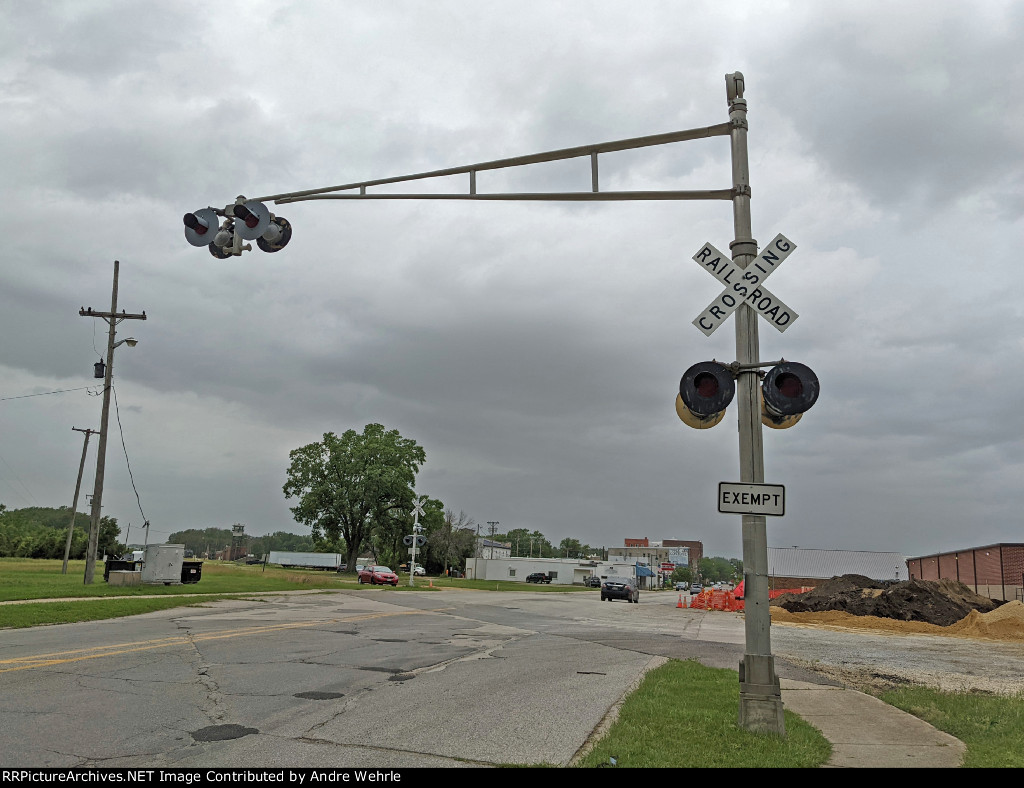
point(247, 216)
point(789, 388)
point(705, 391)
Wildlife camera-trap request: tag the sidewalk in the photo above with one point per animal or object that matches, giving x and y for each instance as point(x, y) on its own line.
point(867, 733)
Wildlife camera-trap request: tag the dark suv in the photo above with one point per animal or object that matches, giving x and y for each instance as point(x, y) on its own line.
point(592, 582)
point(620, 588)
point(538, 577)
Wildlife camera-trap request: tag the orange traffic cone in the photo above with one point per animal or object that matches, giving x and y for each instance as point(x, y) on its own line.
point(431, 582)
point(680, 601)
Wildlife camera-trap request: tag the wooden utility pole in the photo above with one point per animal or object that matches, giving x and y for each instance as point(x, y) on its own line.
point(113, 318)
point(74, 503)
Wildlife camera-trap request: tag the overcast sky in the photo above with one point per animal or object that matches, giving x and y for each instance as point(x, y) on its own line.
point(533, 349)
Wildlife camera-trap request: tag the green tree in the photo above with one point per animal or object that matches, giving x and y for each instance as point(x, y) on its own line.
point(717, 569)
point(41, 532)
point(541, 547)
point(572, 548)
point(282, 540)
point(350, 486)
point(202, 541)
point(682, 574)
point(519, 538)
point(450, 542)
point(106, 543)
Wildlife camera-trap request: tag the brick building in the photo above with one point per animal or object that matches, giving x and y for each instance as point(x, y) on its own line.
point(995, 571)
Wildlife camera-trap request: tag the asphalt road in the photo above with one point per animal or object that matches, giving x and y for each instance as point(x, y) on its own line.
point(361, 679)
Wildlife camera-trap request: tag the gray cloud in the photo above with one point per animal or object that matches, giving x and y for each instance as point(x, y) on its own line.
point(534, 350)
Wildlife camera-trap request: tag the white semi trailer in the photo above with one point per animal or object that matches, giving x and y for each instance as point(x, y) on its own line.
point(288, 560)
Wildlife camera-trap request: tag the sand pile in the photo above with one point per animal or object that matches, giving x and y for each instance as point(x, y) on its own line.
point(1006, 622)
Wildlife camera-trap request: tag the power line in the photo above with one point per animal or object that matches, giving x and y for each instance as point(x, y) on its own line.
point(120, 429)
point(44, 393)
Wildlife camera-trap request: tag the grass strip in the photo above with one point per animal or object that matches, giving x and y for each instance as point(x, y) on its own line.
point(992, 726)
point(33, 614)
point(685, 715)
point(26, 578)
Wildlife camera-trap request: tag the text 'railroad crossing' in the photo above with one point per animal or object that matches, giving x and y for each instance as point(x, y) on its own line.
point(745, 285)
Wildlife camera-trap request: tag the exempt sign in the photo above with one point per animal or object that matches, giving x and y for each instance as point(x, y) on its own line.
point(765, 499)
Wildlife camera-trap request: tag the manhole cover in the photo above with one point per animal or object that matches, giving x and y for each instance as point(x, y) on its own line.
point(319, 695)
point(222, 732)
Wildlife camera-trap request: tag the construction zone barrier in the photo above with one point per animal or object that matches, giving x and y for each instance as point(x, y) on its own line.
point(714, 599)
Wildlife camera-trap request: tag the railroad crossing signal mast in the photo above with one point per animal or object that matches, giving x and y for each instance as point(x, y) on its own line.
point(706, 388)
point(416, 539)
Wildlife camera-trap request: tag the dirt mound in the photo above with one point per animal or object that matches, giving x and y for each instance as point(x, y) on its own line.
point(939, 602)
point(1005, 623)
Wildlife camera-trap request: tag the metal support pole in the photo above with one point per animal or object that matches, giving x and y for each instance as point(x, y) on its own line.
point(74, 503)
point(760, 693)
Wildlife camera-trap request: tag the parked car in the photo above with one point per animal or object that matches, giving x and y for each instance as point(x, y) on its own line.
point(682, 586)
point(592, 582)
point(378, 575)
point(696, 588)
point(538, 577)
point(620, 588)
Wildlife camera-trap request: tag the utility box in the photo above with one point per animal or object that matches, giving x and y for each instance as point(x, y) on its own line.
point(162, 564)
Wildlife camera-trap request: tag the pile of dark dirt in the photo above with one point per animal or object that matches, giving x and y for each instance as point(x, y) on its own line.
point(941, 602)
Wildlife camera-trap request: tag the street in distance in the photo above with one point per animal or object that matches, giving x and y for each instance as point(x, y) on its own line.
point(764, 499)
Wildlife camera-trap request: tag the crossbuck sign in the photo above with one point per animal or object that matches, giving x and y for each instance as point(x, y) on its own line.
point(745, 285)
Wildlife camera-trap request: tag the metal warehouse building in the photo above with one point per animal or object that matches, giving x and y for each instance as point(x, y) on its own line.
point(995, 571)
point(794, 567)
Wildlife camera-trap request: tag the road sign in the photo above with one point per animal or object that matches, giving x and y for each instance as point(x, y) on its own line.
point(745, 285)
point(764, 499)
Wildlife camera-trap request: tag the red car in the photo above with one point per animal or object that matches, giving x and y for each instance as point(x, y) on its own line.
point(378, 575)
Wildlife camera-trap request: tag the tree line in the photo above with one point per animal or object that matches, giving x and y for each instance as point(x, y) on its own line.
point(42, 532)
point(209, 541)
point(355, 492)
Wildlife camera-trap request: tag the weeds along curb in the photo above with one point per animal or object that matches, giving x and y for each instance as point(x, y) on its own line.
point(602, 728)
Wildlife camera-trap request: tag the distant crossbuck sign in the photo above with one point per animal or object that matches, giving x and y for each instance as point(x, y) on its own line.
point(745, 285)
